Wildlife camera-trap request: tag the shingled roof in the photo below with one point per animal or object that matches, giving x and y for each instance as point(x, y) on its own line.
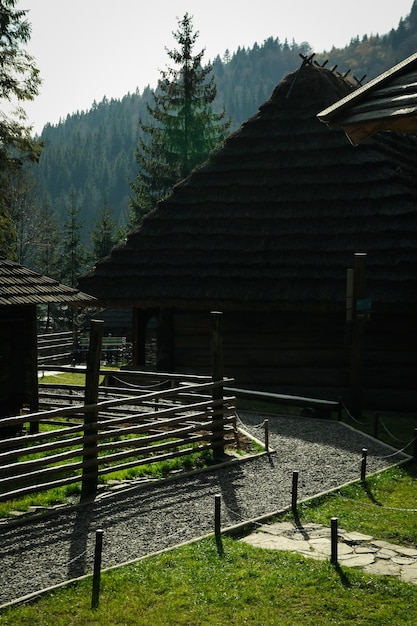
point(388, 102)
point(275, 216)
point(20, 285)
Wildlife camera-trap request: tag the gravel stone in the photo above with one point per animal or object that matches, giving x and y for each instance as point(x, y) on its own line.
point(145, 518)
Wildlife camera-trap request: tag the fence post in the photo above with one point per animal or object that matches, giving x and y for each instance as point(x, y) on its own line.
point(266, 427)
point(217, 515)
point(217, 376)
point(363, 464)
point(95, 594)
point(90, 452)
point(294, 492)
point(333, 541)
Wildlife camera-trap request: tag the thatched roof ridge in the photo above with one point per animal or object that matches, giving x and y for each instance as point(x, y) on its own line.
point(274, 217)
point(22, 286)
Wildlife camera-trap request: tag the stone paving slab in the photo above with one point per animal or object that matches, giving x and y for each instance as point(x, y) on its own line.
point(354, 549)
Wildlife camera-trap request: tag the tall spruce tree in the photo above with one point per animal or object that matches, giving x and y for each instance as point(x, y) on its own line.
point(182, 128)
point(19, 82)
point(104, 235)
point(73, 251)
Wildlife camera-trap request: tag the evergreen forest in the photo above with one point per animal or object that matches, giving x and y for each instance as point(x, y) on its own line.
point(88, 159)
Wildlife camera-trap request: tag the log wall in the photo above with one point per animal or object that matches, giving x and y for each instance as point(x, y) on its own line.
point(304, 353)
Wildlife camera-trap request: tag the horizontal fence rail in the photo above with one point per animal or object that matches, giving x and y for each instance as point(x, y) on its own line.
point(132, 426)
point(55, 348)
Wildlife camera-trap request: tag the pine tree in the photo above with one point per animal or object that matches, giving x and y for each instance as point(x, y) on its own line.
point(19, 82)
point(182, 129)
point(104, 235)
point(73, 251)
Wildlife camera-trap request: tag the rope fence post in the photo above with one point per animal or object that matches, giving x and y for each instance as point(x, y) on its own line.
point(363, 464)
point(217, 511)
point(294, 492)
point(266, 427)
point(333, 540)
point(95, 595)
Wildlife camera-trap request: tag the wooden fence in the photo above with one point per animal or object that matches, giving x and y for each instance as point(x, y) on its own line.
point(55, 348)
point(71, 347)
point(133, 426)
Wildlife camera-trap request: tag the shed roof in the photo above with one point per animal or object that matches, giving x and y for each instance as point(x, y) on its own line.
point(388, 102)
point(276, 215)
point(20, 285)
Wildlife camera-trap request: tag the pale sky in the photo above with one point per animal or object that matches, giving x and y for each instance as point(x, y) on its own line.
point(88, 49)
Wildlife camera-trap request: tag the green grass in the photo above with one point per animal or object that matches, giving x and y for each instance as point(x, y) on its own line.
point(195, 586)
point(385, 506)
point(202, 585)
point(70, 493)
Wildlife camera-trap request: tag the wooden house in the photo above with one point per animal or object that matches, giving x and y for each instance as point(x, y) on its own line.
point(265, 232)
point(21, 290)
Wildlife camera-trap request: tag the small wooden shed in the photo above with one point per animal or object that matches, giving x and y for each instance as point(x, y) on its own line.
point(265, 232)
point(21, 290)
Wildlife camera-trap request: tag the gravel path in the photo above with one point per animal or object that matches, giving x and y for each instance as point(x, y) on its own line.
point(146, 518)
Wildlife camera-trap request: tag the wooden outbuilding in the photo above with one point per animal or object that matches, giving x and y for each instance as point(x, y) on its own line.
point(265, 232)
point(21, 290)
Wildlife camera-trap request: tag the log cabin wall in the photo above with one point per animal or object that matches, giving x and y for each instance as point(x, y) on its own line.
point(390, 361)
point(305, 353)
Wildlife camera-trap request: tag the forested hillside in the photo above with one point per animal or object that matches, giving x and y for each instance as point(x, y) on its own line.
point(89, 157)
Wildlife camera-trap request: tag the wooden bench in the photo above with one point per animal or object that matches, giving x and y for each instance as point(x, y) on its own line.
point(113, 349)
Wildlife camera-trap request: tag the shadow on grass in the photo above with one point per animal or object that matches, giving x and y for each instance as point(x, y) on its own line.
point(344, 578)
point(367, 490)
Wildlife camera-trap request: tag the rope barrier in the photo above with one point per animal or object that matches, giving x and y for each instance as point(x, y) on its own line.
point(77, 557)
point(349, 414)
point(133, 386)
point(390, 434)
point(399, 451)
point(379, 506)
point(249, 426)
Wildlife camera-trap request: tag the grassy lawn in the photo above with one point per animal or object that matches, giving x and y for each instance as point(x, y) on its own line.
point(200, 585)
point(385, 507)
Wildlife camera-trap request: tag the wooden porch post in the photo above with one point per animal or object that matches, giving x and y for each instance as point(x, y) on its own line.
point(217, 374)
